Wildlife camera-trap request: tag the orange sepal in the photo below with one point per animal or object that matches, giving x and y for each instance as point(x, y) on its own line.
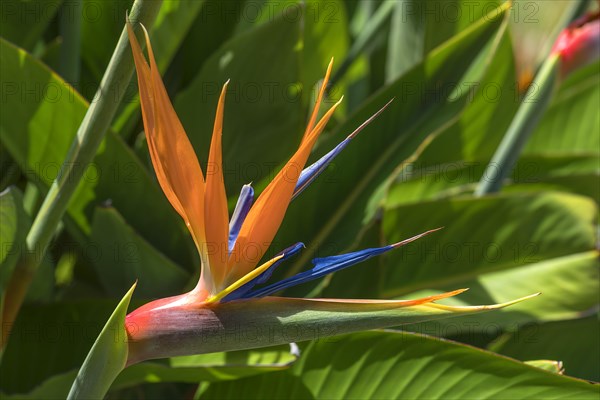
point(173, 156)
point(216, 214)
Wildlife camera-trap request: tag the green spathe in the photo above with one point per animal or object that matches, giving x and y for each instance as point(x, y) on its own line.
point(168, 331)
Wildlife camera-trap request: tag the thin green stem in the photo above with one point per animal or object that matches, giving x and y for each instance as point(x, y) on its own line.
point(95, 124)
point(531, 110)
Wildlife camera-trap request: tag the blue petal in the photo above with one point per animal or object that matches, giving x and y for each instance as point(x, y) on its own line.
point(326, 265)
point(322, 267)
point(239, 213)
point(242, 291)
point(310, 173)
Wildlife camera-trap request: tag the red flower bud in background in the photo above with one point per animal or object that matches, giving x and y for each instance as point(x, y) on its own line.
point(579, 43)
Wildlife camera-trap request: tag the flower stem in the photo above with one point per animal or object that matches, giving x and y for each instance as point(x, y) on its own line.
point(531, 110)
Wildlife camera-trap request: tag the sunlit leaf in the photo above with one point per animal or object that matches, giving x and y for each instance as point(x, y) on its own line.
point(400, 366)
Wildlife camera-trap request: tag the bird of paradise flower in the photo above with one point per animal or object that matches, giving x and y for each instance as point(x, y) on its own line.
point(226, 310)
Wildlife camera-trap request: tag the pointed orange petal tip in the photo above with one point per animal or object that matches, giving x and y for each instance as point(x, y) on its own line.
point(174, 160)
point(322, 90)
point(216, 214)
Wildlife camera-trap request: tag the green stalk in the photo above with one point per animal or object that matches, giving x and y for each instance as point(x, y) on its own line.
point(96, 122)
point(531, 110)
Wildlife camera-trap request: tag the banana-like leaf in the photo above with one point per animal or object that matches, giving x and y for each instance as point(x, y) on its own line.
point(14, 223)
point(124, 256)
point(562, 130)
point(418, 26)
point(24, 22)
point(212, 367)
point(545, 225)
point(569, 285)
point(58, 335)
point(324, 35)
point(573, 342)
point(107, 357)
point(576, 173)
point(399, 365)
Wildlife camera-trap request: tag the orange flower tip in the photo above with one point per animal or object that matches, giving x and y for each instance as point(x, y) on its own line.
point(451, 294)
point(146, 34)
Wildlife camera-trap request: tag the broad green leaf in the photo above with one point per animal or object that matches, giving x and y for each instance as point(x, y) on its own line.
point(207, 367)
point(573, 173)
point(101, 20)
point(263, 101)
point(333, 209)
point(124, 257)
point(14, 223)
point(217, 20)
point(562, 129)
point(24, 21)
point(475, 135)
point(38, 140)
point(57, 336)
point(324, 34)
point(420, 26)
point(105, 20)
point(403, 366)
point(445, 19)
point(406, 39)
point(515, 243)
point(569, 287)
point(190, 369)
point(573, 342)
point(106, 358)
point(584, 183)
point(56, 387)
point(482, 235)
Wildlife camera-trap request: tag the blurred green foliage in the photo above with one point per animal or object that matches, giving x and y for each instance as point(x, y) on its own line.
point(453, 69)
